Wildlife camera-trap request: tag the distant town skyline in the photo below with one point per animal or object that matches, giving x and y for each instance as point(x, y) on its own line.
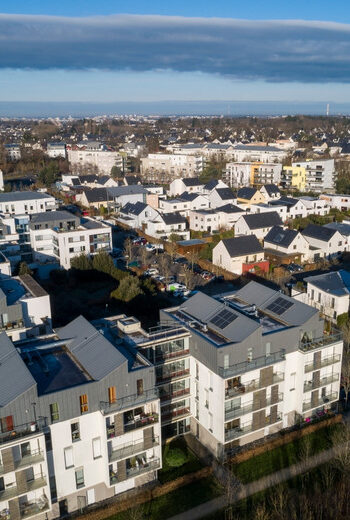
point(94, 53)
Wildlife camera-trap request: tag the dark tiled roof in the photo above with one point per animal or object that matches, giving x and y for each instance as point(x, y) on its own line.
point(319, 232)
point(88, 178)
point(281, 237)
point(134, 209)
point(96, 195)
point(337, 283)
point(173, 218)
point(230, 208)
point(263, 220)
point(188, 196)
point(271, 188)
point(192, 181)
point(211, 184)
point(240, 246)
point(225, 193)
point(246, 193)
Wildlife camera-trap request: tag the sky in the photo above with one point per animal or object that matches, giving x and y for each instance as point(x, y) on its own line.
point(111, 51)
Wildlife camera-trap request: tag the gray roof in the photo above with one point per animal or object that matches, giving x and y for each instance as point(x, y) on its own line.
point(246, 193)
point(211, 184)
point(134, 209)
point(263, 297)
point(230, 208)
point(118, 191)
point(271, 188)
point(225, 193)
point(204, 308)
point(319, 232)
point(285, 201)
point(49, 216)
point(188, 197)
point(132, 180)
point(15, 378)
point(96, 194)
point(336, 283)
point(281, 237)
point(257, 148)
point(91, 349)
point(88, 178)
point(344, 229)
point(14, 196)
point(173, 218)
point(263, 220)
point(192, 181)
point(240, 246)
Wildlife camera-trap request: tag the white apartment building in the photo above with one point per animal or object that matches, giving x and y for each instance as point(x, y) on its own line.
point(184, 204)
point(161, 167)
point(60, 236)
point(166, 224)
point(320, 174)
point(258, 153)
point(329, 293)
point(207, 220)
point(55, 150)
point(98, 157)
point(26, 202)
point(237, 174)
point(13, 151)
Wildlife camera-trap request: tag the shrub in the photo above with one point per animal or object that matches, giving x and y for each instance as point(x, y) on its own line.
point(342, 319)
point(176, 457)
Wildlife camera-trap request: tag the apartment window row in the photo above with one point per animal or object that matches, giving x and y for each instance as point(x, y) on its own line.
point(69, 453)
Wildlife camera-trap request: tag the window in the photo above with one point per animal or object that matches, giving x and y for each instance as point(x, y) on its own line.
point(96, 448)
point(6, 424)
point(226, 361)
point(250, 355)
point(68, 457)
point(75, 430)
point(84, 407)
point(268, 349)
point(112, 394)
point(332, 303)
point(319, 297)
point(312, 294)
point(79, 478)
point(139, 384)
point(54, 413)
point(292, 381)
point(206, 398)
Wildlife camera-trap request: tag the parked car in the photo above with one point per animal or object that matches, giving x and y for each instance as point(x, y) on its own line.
point(181, 260)
point(139, 241)
point(151, 272)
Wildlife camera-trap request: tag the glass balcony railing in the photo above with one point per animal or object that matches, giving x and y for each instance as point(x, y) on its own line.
point(250, 407)
point(312, 385)
point(145, 420)
point(239, 431)
point(325, 362)
point(323, 341)
point(127, 450)
point(22, 430)
point(128, 401)
point(247, 366)
point(320, 401)
point(143, 468)
point(251, 386)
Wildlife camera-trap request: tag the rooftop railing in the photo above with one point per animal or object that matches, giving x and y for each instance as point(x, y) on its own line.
point(247, 366)
point(323, 341)
point(23, 430)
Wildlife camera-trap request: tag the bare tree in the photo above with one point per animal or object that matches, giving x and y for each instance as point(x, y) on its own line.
point(128, 250)
point(164, 265)
point(144, 255)
point(341, 448)
point(278, 501)
point(345, 372)
point(188, 277)
point(193, 257)
point(232, 486)
point(172, 248)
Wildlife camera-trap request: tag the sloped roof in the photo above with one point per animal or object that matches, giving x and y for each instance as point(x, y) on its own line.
point(246, 193)
point(336, 283)
point(281, 237)
point(262, 220)
point(96, 195)
point(319, 232)
point(192, 181)
point(225, 193)
point(90, 348)
point(188, 196)
point(134, 209)
point(15, 378)
point(271, 188)
point(172, 218)
point(229, 208)
point(211, 184)
point(240, 246)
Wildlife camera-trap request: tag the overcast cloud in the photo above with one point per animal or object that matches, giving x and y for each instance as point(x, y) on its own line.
point(280, 51)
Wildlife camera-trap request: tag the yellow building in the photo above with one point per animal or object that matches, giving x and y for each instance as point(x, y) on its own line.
point(250, 196)
point(294, 177)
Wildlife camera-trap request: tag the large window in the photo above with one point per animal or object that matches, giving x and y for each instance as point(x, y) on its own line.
point(96, 448)
point(112, 394)
point(84, 406)
point(79, 478)
point(75, 431)
point(68, 457)
point(54, 413)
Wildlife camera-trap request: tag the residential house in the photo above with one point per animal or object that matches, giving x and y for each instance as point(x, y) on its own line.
point(250, 196)
point(221, 196)
point(137, 215)
point(240, 255)
point(207, 220)
point(166, 224)
point(190, 185)
point(288, 245)
point(324, 241)
point(258, 224)
point(228, 215)
point(270, 192)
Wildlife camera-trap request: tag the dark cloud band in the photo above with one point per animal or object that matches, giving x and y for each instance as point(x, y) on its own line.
point(275, 51)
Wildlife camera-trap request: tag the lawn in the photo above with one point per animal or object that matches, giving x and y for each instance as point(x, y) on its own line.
point(175, 502)
point(284, 456)
point(178, 460)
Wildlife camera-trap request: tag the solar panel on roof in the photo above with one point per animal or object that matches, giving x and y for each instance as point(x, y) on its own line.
point(223, 318)
point(279, 306)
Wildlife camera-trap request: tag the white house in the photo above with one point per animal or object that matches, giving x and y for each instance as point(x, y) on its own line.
point(315, 206)
point(258, 224)
point(270, 192)
point(337, 201)
point(287, 241)
point(136, 215)
point(233, 254)
point(324, 242)
point(282, 210)
point(228, 215)
point(212, 185)
point(329, 293)
point(295, 207)
point(205, 220)
point(179, 186)
point(221, 196)
point(55, 150)
point(184, 204)
point(26, 202)
point(166, 224)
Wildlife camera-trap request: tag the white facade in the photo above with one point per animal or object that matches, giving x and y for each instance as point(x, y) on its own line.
point(55, 150)
point(320, 174)
point(26, 202)
point(171, 166)
point(178, 187)
point(298, 245)
point(216, 199)
point(237, 174)
point(265, 208)
point(222, 258)
point(159, 228)
point(242, 228)
point(137, 221)
point(183, 206)
point(102, 160)
point(204, 221)
point(341, 202)
point(315, 206)
point(330, 305)
point(323, 249)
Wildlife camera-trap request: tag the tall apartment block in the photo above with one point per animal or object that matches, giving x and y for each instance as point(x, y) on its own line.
point(89, 408)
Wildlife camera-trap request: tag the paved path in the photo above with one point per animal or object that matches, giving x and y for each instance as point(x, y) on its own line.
point(212, 506)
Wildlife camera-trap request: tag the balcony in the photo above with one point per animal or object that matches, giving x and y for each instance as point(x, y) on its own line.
point(325, 362)
point(161, 358)
point(127, 450)
point(34, 457)
point(324, 341)
point(239, 431)
point(173, 375)
point(251, 386)
point(21, 431)
point(173, 415)
point(129, 401)
point(328, 398)
point(38, 482)
point(35, 508)
point(312, 385)
point(144, 468)
point(247, 366)
point(175, 395)
point(145, 420)
point(249, 408)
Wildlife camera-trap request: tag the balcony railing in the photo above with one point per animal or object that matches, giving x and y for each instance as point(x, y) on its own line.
point(12, 491)
point(175, 414)
point(325, 362)
point(127, 450)
point(34, 457)
point(160, 358)
point(247, 366)
point(324, 341)
point(239, 431)
point(175, 395)
point(144, 468)
point(35, 508)
point(325, 399)
point(22, 430)
point(140, 423)
point(250, 407)
point(173, 375)
point(312, 385)
point(251, 386)
point(128, 402)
